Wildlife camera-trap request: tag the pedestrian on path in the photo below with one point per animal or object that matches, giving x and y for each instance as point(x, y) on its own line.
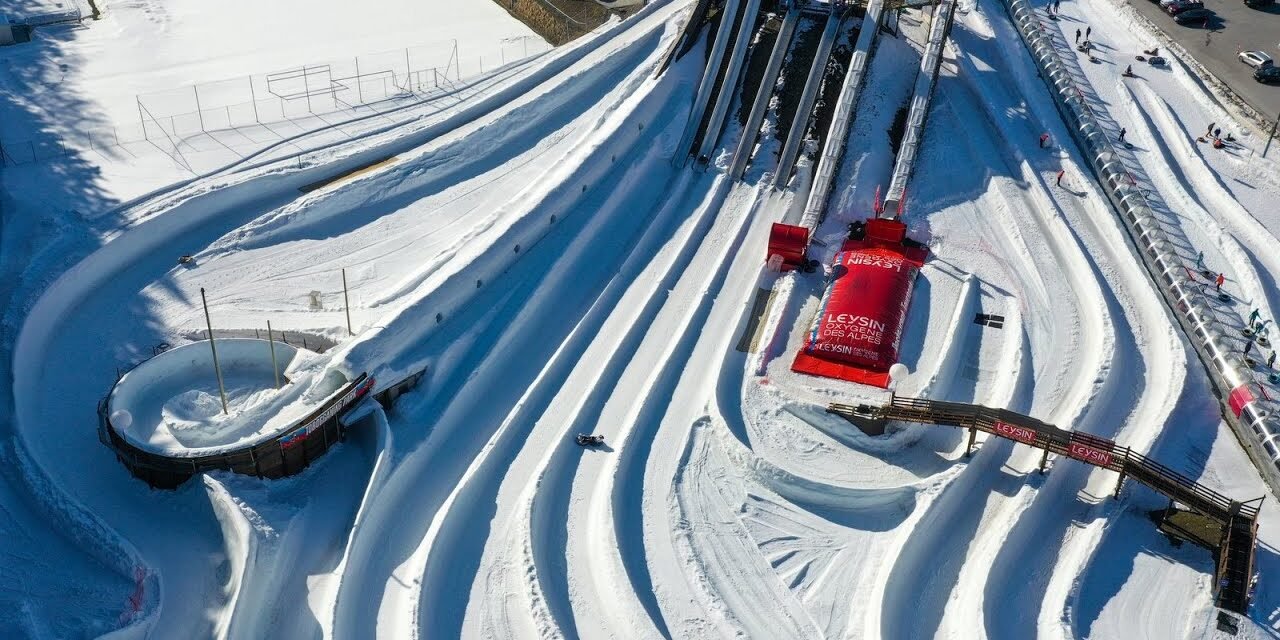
point(1218, 283)
point(1044, 138)
point(1200, 261)
point(1122, 132)
point(1060, 172)
point(1078, 41)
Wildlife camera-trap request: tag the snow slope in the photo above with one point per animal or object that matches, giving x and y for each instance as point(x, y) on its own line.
point(534, 249)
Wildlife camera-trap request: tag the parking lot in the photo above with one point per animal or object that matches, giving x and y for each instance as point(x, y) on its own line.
point(1238, 28)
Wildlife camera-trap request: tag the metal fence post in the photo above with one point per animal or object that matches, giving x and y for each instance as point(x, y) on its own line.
point(359, 85)
point(253, 96)
point(199, 113)
point(141, 119)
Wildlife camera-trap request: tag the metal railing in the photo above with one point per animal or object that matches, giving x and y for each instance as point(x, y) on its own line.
point(1090, 449)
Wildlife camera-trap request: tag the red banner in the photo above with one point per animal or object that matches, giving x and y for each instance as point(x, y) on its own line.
point(1090, 454)
point(1240, 396)
point(1014, 432)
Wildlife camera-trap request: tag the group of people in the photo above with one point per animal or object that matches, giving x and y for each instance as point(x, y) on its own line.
point(1255, 327)
point(1213, 135)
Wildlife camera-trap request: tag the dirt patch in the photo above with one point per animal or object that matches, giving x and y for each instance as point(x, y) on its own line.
point(557, 21)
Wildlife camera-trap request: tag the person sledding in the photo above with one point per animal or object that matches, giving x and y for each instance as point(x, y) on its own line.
point(585, 440)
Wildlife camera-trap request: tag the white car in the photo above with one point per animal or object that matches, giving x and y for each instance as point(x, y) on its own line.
point(1255, 59)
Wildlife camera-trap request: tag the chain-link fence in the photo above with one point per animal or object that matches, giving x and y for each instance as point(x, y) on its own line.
point(232, 118)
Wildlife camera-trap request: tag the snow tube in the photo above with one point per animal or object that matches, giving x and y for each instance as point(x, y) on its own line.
point(858, 329)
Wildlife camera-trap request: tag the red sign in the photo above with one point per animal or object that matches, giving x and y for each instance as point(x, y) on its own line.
point(1086, 453)
point(1240, 396)
point(1014, 432)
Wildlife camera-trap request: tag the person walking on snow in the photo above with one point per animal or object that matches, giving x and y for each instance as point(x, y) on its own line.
point(1044, 137)
point(1060, 172)
point(1271, 360)
point(1087, 31)
point(1253, 317)
point(1247, 346)
point(1122, 132)
point(1078, 42)
point(1057, 6)
point(1209, 131)
point(1200, 261)
point(1218, 283)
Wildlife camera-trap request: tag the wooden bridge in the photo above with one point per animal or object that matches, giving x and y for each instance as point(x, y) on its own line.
point(1226, 526)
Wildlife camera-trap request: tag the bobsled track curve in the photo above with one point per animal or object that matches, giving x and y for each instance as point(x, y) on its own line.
point(536, 250)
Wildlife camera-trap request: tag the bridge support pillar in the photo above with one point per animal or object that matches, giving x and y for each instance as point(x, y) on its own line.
point(968, 449)
point(1119, 486)
point(1044, 460)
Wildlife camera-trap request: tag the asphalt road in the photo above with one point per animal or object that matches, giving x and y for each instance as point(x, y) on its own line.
point(1238, 28)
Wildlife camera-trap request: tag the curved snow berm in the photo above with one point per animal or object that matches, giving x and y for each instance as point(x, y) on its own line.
point(165, 421)
point(1246, 413)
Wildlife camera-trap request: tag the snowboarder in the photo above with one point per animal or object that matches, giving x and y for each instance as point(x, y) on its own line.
point(1122, 132)
point(1200, 261)
point(1060, 172)
point(1077, 36)
point(1044, 137)
point(1218, 283)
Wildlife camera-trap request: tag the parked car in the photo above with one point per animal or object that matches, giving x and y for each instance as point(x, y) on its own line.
point(1267, 75)
point(1181, 6)
point(1255, 59)
point(1194, 17)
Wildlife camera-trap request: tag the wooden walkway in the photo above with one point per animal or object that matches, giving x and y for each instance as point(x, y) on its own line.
point(1238, 520)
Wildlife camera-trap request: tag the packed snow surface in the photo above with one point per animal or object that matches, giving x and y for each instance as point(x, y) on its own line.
point(542, 253)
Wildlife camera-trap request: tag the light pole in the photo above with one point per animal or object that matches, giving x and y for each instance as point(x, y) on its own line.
point(1270, 136)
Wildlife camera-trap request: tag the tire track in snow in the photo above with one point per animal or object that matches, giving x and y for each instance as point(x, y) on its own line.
point(547, 540)
point(1093, 339)
point(450, 439)
point(1133, 350)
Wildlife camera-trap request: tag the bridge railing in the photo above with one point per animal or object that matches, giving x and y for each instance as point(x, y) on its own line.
point(1090, 449)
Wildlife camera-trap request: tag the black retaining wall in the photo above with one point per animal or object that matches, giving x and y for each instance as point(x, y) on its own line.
point(284, 455)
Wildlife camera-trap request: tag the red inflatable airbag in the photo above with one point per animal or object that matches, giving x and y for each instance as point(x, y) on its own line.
point(858, 329)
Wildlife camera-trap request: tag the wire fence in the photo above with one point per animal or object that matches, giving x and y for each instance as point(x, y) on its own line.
point(238, 116)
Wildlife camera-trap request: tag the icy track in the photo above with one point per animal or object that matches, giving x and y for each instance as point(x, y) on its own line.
point(538, 253)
